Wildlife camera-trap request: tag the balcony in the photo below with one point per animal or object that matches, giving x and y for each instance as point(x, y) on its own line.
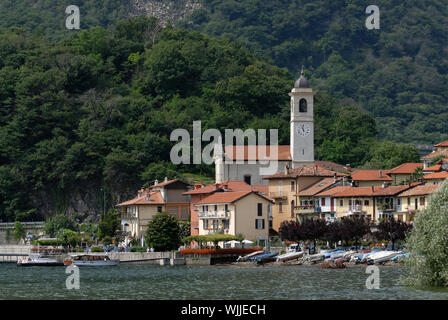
point(308, 208)
point(277, 195)
point(356, 208)
point(216, 231)
point(214, 215)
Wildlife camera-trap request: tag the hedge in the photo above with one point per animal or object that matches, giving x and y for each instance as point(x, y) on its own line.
point(220, 251)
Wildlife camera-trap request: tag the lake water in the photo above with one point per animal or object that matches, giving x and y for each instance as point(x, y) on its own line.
point(206, 282)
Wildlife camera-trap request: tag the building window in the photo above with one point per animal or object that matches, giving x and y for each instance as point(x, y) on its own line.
point(302, 105)
point(226, 207)
point(398, 202)
point(260, 209)
point(293, 186)
point(216, 208)
point(215, 224)
point(225, 224)
point(422, 201)
point(205, 224)
point(280, 206)
point(322, 201)
point(270, 224)
point(366, 202)
point(159, 209)
point(259, 224)
point(409, 201)
point(341, 203)
point(247, 179)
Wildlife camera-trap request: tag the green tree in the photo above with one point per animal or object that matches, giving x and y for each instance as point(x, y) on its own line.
point(19, 231)
point(428, 263)
point(69, 238)
point(163, 233)
point(58, 222)
point(109, 225)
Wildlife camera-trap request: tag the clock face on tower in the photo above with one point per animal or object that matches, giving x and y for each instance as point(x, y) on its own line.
point(303, 130)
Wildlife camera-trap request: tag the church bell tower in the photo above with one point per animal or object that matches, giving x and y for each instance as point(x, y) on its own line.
point(302, 123)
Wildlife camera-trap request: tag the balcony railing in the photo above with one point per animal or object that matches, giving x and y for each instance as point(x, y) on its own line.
point(214, 215)
point(356, 208)
point(216, 231)
point(307, 208)
point(277, 195)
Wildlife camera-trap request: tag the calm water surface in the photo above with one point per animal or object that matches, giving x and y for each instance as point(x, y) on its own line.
point(207, 282)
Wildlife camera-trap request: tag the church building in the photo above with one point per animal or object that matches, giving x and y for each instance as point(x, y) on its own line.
point(245, 165)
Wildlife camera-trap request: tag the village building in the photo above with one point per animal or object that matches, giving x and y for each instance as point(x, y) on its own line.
point(404, 173)
point(414, 200)
point(200, 192)
point(238, 212)
point(368, 178)
point(285, 188)
point(440, 151)
point(372, 203)
point(328, 203)
point(250, 163)
point(161, 197)
point(436, 177)
point(311, 206)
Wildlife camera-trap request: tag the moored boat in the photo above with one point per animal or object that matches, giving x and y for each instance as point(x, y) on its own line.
point(289, 256)
point(269, 256)
point(37, 260)
point(92, 260)
point(381, 256)
point(250, 255)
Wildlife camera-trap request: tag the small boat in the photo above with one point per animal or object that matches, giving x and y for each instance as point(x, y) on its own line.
point(269, 256)
point(289, 256)
point(37, 260)
point(250, 255)
point(381, 256)
point(315, 257)
point(92, 260)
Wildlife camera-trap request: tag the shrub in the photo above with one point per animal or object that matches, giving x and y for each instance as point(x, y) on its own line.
point(138, 249)
point(96, 249)
point(220, 251)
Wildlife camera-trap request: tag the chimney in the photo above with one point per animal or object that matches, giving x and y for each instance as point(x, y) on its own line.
point(225, 186)
point(197, 186)
point(373, 189)
point(380, 173)
point(344, 181)
point(166, 179)
point(383, 185)
point(156, 182)
point(286, 169)
point(348, 167)
point(335, 178)
point(315, 170)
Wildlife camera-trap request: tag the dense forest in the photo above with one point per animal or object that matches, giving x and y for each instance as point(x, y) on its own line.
point(85, 117)
point(399, 73)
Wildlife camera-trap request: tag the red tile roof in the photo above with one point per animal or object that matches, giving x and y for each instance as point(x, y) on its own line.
point(228, 197)
point(406, 168)
point(421, 190)
point(230, 185)
point(436, 175)
point(442, 144)
point(332, 191)
point(371, 175)
point(437, 153)
point(305, 171)
point(435, 168)
point(371, 191)
point(155, 198)
point(164, 183)
point(251, 153)
point(317, 187)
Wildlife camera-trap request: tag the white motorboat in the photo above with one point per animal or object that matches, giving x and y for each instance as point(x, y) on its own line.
point(92, 260)
point(37, 260)
point(315, 257)
point(381, 256)
point(289, 256)
point(250, 255)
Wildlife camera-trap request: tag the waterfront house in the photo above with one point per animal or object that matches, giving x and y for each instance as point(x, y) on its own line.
point(436, 177)
point(414, 200)
point(161, 197)
point(235, 212)
point(310, 206)
point(367, 178)
point(327, 201)
point(440, 150)
point(284, 189)
point(200, 192)
point(404, 173)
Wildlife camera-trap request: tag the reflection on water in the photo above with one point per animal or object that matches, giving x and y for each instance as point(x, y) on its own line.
point(207, 282)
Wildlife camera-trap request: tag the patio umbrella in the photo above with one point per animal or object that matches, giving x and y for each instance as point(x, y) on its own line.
point(232, 242)
point(247, 241)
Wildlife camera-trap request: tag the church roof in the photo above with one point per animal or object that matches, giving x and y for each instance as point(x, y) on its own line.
point(302, 82)
point(251, 153)
point(305, 171)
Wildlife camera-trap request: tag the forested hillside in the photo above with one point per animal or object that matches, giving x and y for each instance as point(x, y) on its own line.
point(86, 121)
point(398, 74)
